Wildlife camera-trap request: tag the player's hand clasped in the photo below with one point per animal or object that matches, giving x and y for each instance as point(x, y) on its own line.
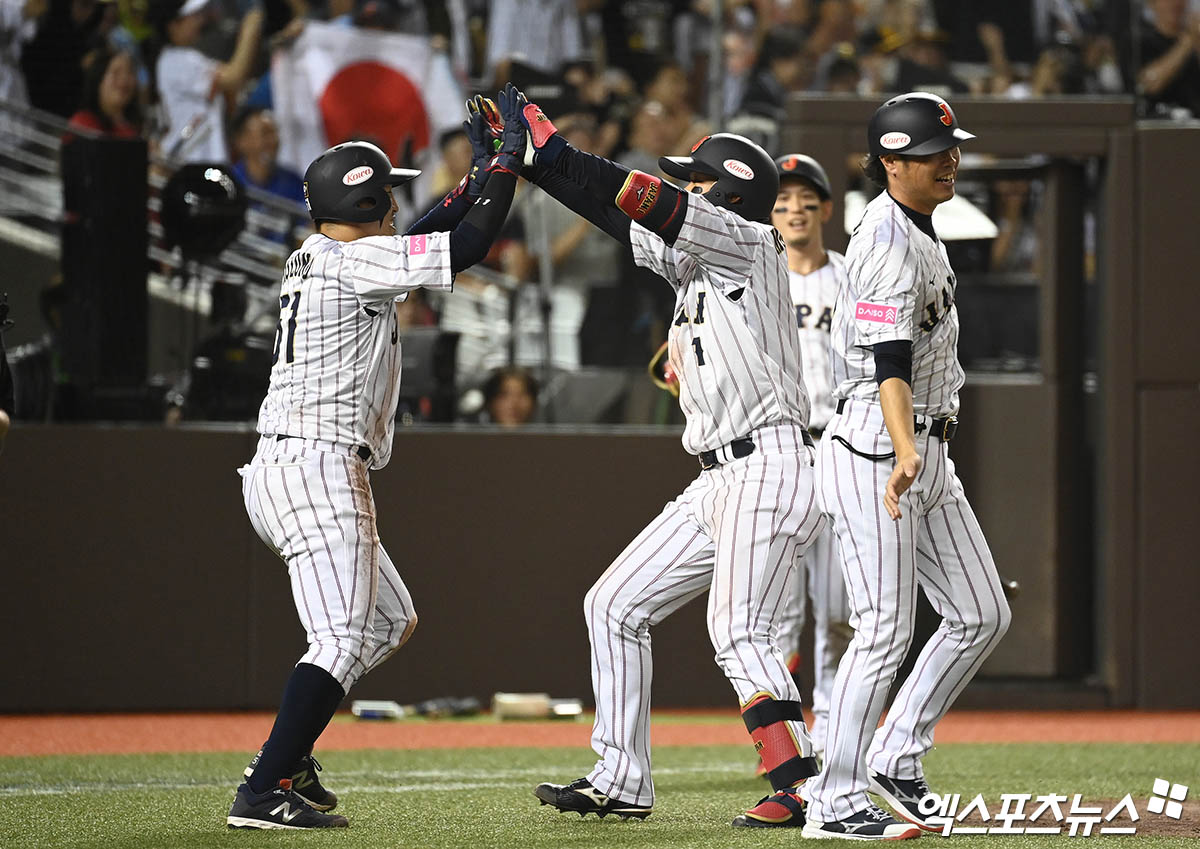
point(511, 153)
point(483, 128)
point(903, 475)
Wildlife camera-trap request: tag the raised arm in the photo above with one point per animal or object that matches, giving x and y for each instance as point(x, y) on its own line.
point(650, 201)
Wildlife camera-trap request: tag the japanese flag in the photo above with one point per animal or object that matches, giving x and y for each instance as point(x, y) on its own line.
point(336, 83)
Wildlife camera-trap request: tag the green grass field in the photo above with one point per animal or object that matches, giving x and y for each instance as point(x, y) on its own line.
point(483, 797)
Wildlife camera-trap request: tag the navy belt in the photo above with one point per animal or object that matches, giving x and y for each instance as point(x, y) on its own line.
point(943, 429)
point(363, 452)
point(739, 448)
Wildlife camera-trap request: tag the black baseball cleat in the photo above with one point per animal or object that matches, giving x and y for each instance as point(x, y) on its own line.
point(903, 796)
point(872, 824)
point(782, 809)
point(305, 782)
point(280, 807)
point(582, 798)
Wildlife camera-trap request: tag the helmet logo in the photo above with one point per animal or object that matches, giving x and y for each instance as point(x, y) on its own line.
point(738, 169)
point(946, 118)
point(357, 175)
point(790, 163)
point(894, 141)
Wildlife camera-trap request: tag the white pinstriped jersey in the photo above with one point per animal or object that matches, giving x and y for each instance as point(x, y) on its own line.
point(815, 296)
point(336, 372)
point(733, 340)
point(899, 285)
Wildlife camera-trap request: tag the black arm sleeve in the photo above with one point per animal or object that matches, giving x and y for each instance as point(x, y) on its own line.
point(444, 215)
point(569, 193)
point(473, 237)
point(893, 359)
point(664, 206)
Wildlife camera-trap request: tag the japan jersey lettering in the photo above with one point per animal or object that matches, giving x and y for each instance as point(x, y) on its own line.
point(815, 298)
point(732, 339)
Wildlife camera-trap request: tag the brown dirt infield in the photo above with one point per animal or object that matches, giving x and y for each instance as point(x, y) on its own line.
point(208, 732)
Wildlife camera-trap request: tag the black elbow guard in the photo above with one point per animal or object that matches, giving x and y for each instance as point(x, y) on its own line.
point(893, 359)
point(656, 205)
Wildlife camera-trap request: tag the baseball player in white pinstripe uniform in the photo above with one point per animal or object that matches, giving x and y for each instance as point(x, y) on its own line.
point(736, 530)
point(889, 486)
point(803, 205)
point(328, 418)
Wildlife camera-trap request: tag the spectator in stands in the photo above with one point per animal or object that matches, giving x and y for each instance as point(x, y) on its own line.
point(924, 65)
point(843, 75)
point(609, 97)
point(540, 34)
point(18, 24)
point(255, 139)
point(194, 89)
point(784, 67)
point(111, 104)
point(1169, 71)
point(510, 397)
point(456, 161)
point(53, 59)
point(584, 260)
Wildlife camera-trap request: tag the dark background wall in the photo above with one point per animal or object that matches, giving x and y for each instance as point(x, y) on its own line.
point(135, 581)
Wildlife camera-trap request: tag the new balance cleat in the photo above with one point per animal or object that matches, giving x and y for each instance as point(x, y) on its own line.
point(305, 782)
point(782, 809)
point(582, 798)
point(871, 824)
point(904, 797)
point(280, 808)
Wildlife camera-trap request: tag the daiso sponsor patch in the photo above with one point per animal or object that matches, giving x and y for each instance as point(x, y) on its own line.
point(416, 245)
point(875, 312)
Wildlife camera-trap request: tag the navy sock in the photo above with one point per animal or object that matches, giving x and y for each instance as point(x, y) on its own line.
point(310, 699)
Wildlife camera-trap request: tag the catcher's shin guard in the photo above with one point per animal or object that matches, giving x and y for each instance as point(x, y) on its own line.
point(767, 719)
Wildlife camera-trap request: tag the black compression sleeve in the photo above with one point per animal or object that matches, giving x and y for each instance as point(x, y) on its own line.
point(601, 178)
point(655, 204)
point(567, 192)
point(471, 239)
point(893, 359)
point(444, 215)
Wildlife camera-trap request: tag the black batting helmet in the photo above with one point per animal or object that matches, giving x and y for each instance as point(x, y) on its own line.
point(806, 168)
point(345, 176)
point(740, 167)
point(914, 124)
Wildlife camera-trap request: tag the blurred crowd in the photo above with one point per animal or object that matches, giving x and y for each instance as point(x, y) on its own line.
point(628, 79)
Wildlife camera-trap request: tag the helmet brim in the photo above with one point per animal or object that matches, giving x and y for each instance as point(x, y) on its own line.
point(683, 167)
point(400, 176)
point(939, 144)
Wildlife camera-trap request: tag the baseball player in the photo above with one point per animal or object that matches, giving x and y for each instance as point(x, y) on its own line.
point(889, 486)
point(327, 420)
point(804, 204)
point(736, 530)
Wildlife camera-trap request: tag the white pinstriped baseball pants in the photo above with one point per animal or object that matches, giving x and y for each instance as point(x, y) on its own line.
point(311, 503)
point(735, 531)
point(937, 544)
point(818, 577)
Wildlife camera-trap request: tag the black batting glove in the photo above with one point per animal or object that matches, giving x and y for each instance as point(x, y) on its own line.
point(513, 137)
point(483, 148)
